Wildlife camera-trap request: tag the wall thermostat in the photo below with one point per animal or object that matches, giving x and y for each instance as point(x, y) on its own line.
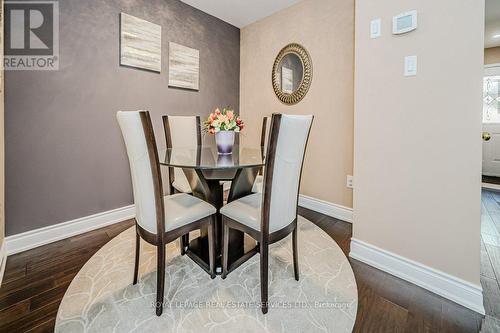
point(404, 22)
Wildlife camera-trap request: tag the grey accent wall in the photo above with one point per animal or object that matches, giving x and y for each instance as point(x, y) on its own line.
point(65, 156)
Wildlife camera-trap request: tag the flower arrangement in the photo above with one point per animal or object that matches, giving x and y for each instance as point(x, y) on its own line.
point(225, 120)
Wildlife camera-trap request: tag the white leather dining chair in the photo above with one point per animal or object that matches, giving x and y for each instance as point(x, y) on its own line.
point(272, 215)
point(159, 219)
point(181, 132)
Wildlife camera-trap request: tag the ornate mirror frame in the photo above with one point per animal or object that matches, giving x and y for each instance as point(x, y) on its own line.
point(301, 91)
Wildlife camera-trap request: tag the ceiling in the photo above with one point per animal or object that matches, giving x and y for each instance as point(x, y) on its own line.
point(492, 23)
point(240, 12)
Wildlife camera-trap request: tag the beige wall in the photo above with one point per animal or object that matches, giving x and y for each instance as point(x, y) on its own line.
point(325, 28)
point(492, 55)
point(417, 154)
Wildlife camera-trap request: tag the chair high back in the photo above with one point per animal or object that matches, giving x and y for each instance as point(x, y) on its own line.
point(284, 159)
point(266, 127)
point(181, 132)
point(264, 137)
point(140, 143)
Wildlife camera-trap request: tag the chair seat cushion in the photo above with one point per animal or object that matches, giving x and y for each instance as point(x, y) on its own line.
point(259, 183)
point(245, 210)
point(182, 209)
point(181, 184)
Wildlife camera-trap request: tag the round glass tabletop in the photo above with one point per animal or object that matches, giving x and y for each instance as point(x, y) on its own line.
point(206, 157)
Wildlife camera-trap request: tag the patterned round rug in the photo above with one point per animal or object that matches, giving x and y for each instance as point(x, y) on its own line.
point(101, 297)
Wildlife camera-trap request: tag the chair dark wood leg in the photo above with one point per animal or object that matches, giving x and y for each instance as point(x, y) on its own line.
point(184, 243)
point(295, 254)
point(160, 278)
point(225, 247)
point(137, 253)
point(211, 246)
point(264, 272)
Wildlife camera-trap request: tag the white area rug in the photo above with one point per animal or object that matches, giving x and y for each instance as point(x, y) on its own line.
point(101, 298)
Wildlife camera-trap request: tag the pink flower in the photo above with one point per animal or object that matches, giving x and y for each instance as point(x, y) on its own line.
point(225, 119)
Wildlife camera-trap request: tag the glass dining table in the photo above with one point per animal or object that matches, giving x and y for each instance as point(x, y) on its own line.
point(206, 170)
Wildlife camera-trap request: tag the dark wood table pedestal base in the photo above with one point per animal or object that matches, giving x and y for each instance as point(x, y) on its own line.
point(206, 185)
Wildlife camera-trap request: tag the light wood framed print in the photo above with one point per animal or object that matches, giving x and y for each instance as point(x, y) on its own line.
point(140, 43)
point(183, 67)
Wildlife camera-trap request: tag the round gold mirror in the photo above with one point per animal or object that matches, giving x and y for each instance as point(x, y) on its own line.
point(292, 74)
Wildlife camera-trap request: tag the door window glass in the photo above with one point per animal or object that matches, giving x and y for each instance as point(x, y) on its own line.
point(491, 99)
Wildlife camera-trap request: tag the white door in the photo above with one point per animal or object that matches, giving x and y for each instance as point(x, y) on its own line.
point(491, 150)
point(491, 122)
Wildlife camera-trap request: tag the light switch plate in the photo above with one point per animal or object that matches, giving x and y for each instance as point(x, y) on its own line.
point(411, 65)
point(375, 28)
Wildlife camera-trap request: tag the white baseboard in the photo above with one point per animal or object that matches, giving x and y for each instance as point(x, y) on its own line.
point(226, 186)
point(337, 211)
point(34, 238)
point(443, 284)
point(490, 186)
point(3, 260)
point(38, 237)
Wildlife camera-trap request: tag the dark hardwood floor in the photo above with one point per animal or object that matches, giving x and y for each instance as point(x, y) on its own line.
point(490, 258)
point(35, 282)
